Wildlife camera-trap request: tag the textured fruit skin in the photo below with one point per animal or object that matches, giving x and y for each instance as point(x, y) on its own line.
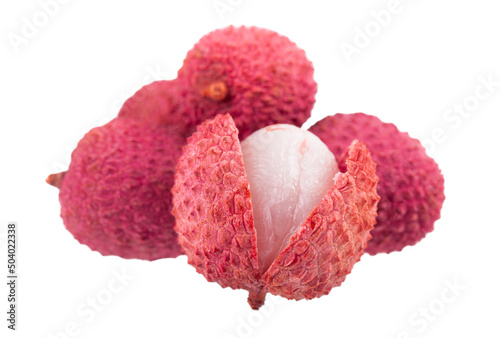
point(254, 74)
point(322, 253)
point(213, 209)
point(214, 220)
point(115, 197)
point(411, 186)
point(156, 104)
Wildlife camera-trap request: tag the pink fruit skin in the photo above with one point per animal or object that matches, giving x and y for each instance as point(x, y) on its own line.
point(332, 239)
point(214, 220)
point(156, 104)
point(254, 74)
point(115, 197)
point(411, 185)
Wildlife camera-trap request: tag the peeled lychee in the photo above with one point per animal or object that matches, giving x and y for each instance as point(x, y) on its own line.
point(115, 197)
point(303, 241)
point(289, 170)
point(254, 74)
point(411, 186)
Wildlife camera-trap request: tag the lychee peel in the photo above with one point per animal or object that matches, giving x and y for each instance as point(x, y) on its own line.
point(214, 220)
point(254, 74)
point(115, 197)
point(411, 186)
point(156, 104)
point(213, 208)
point(333, 237)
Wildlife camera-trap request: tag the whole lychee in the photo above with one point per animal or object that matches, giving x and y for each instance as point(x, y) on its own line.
point(115, 197)
point(272, 214)
point(156, 104)
point(411, 186)
point(254, 74)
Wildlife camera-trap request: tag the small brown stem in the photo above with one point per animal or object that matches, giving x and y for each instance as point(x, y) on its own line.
point(216, 91)
point(56, 179)
point(256, 299)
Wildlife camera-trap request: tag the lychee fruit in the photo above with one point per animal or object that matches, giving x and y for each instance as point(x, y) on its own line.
point(156, 104)
point(115, 197)
point(254, 74)
point(272, 214)
point(411, 186)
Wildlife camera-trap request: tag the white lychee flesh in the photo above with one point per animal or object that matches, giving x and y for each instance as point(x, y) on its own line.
point(289, 171)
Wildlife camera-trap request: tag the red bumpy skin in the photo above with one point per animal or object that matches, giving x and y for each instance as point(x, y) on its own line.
point(411, 186)
point(256, 75)
point(115, 197)
point(214, 220)
point(156, 104)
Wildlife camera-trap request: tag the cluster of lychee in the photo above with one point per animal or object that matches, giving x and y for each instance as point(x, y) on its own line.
point(214, 165)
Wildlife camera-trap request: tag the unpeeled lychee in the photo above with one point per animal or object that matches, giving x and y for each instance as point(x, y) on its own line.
point(255, 74)
point(115, 197)
point(411, 186)
point(156, 104)
point(216, 217)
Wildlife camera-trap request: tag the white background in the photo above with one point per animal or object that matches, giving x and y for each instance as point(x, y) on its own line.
point(76, 70)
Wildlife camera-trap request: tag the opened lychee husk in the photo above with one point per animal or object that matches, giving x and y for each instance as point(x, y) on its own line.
point(219, 202)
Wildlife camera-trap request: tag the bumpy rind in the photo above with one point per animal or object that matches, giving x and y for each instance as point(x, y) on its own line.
point(213, 209)
point(157, 104)
point(261, 78)
point(214, 220)
point(333, 237)
point(411, 185)
point(115, 197)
